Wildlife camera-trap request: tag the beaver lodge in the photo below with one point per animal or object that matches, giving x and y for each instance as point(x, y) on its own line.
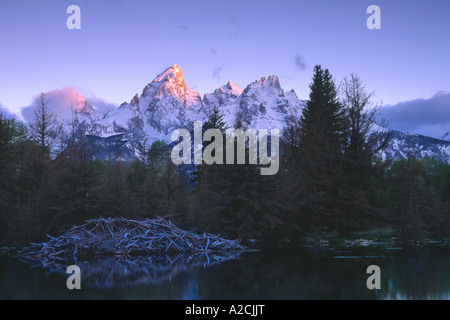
point(120, 236)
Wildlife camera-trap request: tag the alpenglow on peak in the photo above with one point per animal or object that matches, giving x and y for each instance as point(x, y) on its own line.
point(172, 74)
point(167, 104)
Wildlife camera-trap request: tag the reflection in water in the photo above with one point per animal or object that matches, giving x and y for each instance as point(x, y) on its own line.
point(290, 273)
point(411, 273)
point(126, 271)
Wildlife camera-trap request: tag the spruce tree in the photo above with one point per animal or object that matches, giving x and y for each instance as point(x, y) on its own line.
point(322, 143)
point(215, 121)
point(235, 200)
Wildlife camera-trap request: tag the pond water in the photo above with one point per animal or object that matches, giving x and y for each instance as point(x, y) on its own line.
point(408, 272)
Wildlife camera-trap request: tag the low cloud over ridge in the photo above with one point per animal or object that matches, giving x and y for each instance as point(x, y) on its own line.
point(61, 101)
point(429, 117)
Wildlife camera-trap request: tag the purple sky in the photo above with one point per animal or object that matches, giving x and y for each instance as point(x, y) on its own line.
point(123, 45)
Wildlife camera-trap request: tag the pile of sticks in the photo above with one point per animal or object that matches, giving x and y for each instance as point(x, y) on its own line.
point(120, 236)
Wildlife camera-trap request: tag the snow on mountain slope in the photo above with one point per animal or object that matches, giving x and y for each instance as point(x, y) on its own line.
point(127, 117)
point(402, 145)
point(166, 104)
point(264, 105)
point(227, 98)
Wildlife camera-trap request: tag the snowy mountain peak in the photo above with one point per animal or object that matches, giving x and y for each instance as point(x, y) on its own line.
point(274, 81)
point(230, 89)
point(234, 88)
point(170, 84)
point(173, 75)
point(271, 81)
point(166, 104)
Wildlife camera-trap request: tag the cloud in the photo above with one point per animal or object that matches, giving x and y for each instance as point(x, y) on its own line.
point(100, 105)
point(183, 27)
point(216, 72)
point(235, 25)
point(6, 113)
point(430, 117)
point(299, 62)
point(61, 102)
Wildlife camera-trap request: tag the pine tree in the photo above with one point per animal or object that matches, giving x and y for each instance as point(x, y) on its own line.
point(322, 144)
point(417, 211)
point(157, 157)
point(323, 110)
point(13, 135)
point(292, 194)
point(215, 121)
point(235, 200)
point(290, 145)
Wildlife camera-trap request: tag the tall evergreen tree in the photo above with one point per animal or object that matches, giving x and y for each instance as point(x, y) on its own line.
point(322, 144)
point(237, 201)
point(214, 121)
